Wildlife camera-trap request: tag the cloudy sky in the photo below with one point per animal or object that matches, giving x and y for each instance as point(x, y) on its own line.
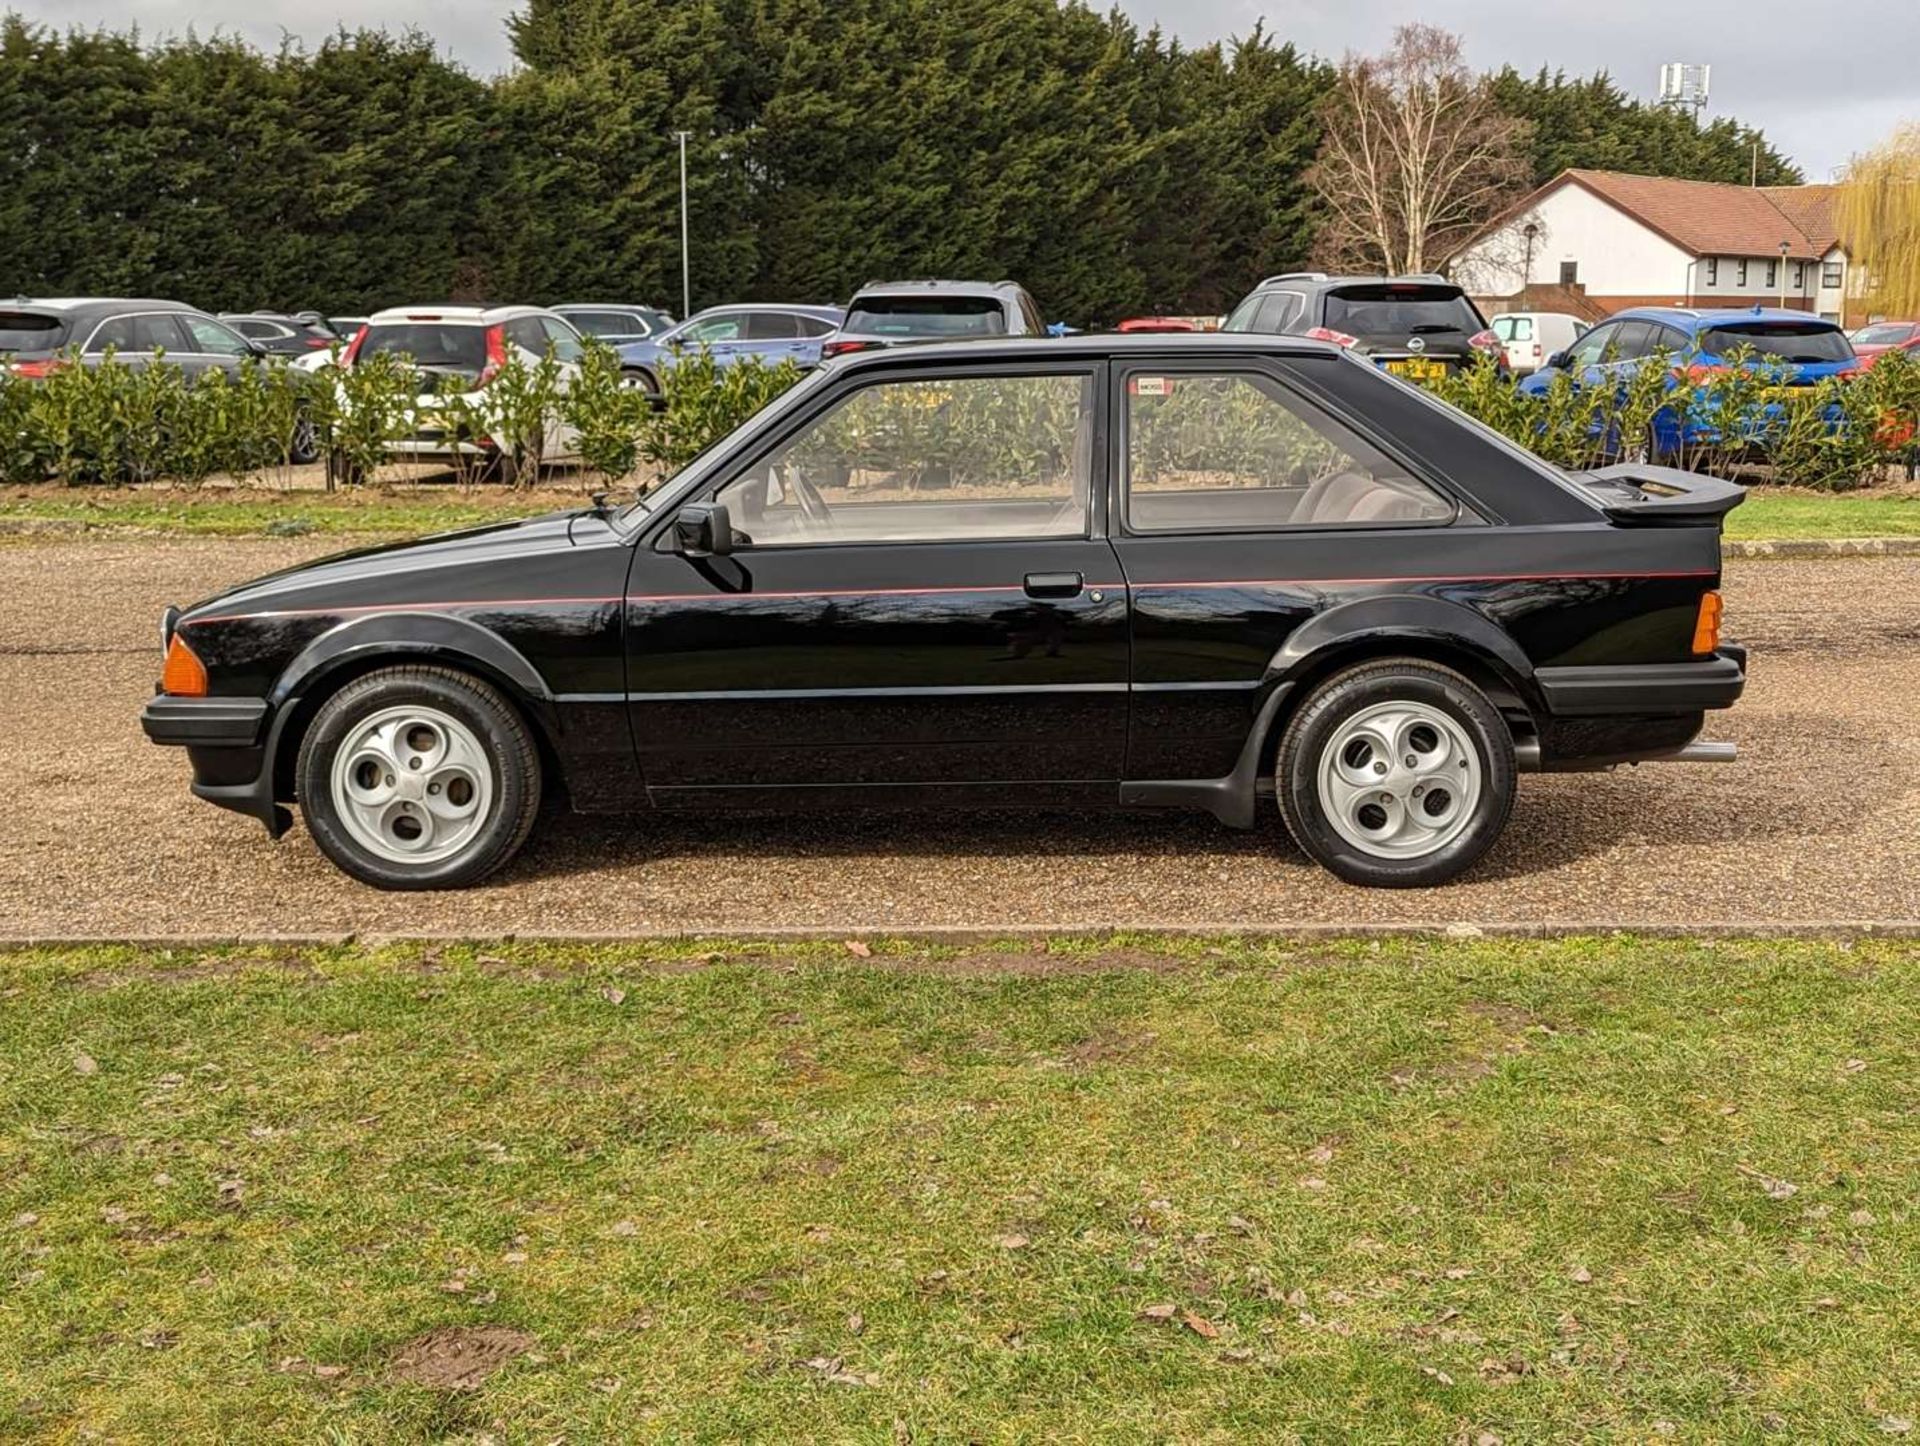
point(1823, 81)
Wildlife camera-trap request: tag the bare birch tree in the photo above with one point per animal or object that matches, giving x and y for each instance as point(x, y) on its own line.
point(1416, 156)
point(1879, 222)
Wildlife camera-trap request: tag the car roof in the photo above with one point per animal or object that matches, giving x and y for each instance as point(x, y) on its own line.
point(1091, 345)
point(1702, 318)
point(935, 286)
point(1288, 280)
point(603, 306)
point(457, 315)
point(82, 305)
point(823, 313)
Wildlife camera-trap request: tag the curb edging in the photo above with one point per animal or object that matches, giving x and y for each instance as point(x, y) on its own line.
point(1821, 547)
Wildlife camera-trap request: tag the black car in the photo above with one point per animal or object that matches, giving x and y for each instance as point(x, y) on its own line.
point(1418, 327)
point(1159, 571)
point(281, 335)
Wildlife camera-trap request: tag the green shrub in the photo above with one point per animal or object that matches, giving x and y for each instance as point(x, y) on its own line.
point(704, 401)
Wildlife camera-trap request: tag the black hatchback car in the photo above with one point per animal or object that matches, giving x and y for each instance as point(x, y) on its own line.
point(1149, 571)
point(1418, 327)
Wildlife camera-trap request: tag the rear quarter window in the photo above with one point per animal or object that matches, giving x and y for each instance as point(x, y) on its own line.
point(29, 331)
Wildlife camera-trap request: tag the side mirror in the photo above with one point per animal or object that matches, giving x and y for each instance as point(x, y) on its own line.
point(1559, 361)
point(703, 529)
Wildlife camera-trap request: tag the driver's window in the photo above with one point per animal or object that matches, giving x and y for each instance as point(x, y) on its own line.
point(720, 328)
point(1592, 347)
point(961, 458)
point(211, 338)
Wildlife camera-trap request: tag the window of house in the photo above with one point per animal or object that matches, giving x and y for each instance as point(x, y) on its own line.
point(1773, 274)
point(933, 460)
point(1569, 273)
point(1740, 274)
point(1713, 271)
point(1231, 450)
point(1830, 274)
point(1800, 276)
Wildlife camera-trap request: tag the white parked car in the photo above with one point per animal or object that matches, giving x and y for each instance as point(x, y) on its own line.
point(459, 350)
point(1530, 337)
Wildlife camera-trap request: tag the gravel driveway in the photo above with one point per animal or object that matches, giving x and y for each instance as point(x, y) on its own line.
point(1820, 822)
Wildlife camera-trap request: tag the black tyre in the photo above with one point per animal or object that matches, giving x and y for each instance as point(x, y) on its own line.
point(1396, 774)
point(419, 777)
point(640, 380)
point(303, 447)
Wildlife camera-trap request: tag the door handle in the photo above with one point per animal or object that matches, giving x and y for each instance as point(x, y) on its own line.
point(1055, 584)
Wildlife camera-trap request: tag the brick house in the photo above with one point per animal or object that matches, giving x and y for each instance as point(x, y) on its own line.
point(1594, 242)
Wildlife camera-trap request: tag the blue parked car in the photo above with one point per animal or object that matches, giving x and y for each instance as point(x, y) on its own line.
point(1790, 347)
point(770, 332)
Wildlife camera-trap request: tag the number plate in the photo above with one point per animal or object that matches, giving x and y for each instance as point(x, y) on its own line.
point(1418, 369)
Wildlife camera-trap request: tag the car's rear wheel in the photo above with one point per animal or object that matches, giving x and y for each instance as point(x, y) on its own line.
point(1396, 774)
point(419, 778)
point(634, 379)
point(303, 447)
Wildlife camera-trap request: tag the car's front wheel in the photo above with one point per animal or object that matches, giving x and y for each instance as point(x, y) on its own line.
point(1396, 774)
point(419, 777)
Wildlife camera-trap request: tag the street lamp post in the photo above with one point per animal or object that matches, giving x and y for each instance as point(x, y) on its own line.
point(1784, 248)
point(686, 266)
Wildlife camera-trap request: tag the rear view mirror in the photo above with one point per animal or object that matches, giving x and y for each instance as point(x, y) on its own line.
point(703, 529)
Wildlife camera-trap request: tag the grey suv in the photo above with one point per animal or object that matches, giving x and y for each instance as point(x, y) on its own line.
point(1419, 327)
point(884, 313)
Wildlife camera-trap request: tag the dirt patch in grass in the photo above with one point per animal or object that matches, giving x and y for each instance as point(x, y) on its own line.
point(458, 1358)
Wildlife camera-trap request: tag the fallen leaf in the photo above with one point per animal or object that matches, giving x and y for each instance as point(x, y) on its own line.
point(113, 1215)
point(1240, 1224)
point(1200, 1326)
point(85, 1064)
point(1458, 1272)
point(1320, 1155)
point(329, 1373)
point(1896, 1425)
point(1313, 1182)
point(1159, 1312)
point(455, 1286)
point(859, 948)
point(231, 1192)
point(1861, 1217)
point(1854, 1066)
point(614, 996)
point(624, 1228)
point(26, 1218)
point(1505, 1372)
point(162, 1179)
point(1236, 1357)
point(1013, 1242)
point(856, 1323)
point(1580, 1275)
point(1297, 1298)
point(1777, 1189)
point(1437, 1374)
point(515, 1257)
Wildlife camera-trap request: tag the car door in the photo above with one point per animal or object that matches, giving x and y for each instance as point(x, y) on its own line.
point(772, 336)
point(919, 602)
point(135, 338)
point(721, 336)
point(1239, 494)
point(211, 346)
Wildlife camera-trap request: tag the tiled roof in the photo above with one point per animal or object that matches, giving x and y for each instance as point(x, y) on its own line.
point(1710, 218)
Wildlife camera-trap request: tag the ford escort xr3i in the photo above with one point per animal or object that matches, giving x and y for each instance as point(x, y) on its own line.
point(1151, 571)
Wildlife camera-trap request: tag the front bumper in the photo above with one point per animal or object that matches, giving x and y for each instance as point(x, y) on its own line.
point(231, 743)
point(1645, 689)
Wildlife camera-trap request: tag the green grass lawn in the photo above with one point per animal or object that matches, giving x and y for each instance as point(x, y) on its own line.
point(1793, 514)
point(1116, 1191)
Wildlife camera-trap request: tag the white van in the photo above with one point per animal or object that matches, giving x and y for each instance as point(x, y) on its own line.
point(1530, 337)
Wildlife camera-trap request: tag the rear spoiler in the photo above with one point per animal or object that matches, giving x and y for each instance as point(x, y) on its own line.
point(1640, 495)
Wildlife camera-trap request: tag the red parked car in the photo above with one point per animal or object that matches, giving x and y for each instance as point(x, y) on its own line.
point(1884, 336)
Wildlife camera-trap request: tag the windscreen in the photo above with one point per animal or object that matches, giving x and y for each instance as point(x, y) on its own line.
point(1792, 341)
point(608, 323)
point(1513, 328)
point(442, 346)
point(29, 331)
point(1400, 309)
point(1886, 333)
point(927, 316)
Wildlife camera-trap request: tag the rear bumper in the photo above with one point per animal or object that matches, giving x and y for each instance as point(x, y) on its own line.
point(1641, 690)
point(230, 743)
